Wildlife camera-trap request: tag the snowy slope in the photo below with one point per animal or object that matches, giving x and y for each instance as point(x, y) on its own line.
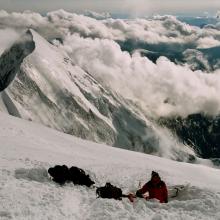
point(27, 149)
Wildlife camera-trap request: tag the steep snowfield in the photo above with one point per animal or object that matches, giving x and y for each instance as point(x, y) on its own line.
point(26, 192)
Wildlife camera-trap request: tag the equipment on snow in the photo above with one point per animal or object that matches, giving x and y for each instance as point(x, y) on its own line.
point(110, 192)
point(175, 191)
point(79, 177)
point(62, 174)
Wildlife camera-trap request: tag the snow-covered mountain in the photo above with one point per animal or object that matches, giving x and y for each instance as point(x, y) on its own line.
point(51, 89)
point(29, 149)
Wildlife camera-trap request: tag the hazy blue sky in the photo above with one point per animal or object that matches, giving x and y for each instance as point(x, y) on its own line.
point(119, 6)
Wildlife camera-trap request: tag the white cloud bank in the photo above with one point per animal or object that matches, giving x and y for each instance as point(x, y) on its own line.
point(160, 29)
point(161, 89)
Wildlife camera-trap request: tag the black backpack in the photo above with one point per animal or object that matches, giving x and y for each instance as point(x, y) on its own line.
point(79, 177)
point(109, 192)
point(60, 174)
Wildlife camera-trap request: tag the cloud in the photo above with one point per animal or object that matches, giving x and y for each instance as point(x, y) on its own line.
point(7, 38)
point(207, 42)
point(161, 89)
point(196, 59)
point(159, 29)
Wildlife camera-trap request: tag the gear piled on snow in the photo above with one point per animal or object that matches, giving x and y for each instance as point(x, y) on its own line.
point(62, 174)
point(109, 192)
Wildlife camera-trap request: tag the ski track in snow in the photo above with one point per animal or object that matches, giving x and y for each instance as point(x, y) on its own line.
point(26, 191)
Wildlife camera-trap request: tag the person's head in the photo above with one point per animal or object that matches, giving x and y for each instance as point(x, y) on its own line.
point(155, 178)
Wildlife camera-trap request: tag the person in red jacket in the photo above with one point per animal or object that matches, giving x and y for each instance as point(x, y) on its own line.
point(156, 188)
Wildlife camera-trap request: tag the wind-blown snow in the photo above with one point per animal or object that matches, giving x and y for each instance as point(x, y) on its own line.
point(26, 192)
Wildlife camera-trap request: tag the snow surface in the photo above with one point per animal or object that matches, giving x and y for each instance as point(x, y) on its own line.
point(26, 192)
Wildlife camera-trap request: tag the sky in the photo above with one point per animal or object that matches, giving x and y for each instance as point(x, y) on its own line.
point(136, 7)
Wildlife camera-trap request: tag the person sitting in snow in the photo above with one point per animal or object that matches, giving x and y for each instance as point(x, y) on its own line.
point(156, 189)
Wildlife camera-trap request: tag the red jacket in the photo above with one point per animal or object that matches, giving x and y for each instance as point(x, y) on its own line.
point(158, 191)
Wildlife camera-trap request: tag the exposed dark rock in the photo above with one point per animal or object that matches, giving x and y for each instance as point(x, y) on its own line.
point(12, 58)
point(199, 131)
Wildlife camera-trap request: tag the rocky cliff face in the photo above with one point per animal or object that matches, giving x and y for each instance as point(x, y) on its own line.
point(12, 58)
point(199, 131)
